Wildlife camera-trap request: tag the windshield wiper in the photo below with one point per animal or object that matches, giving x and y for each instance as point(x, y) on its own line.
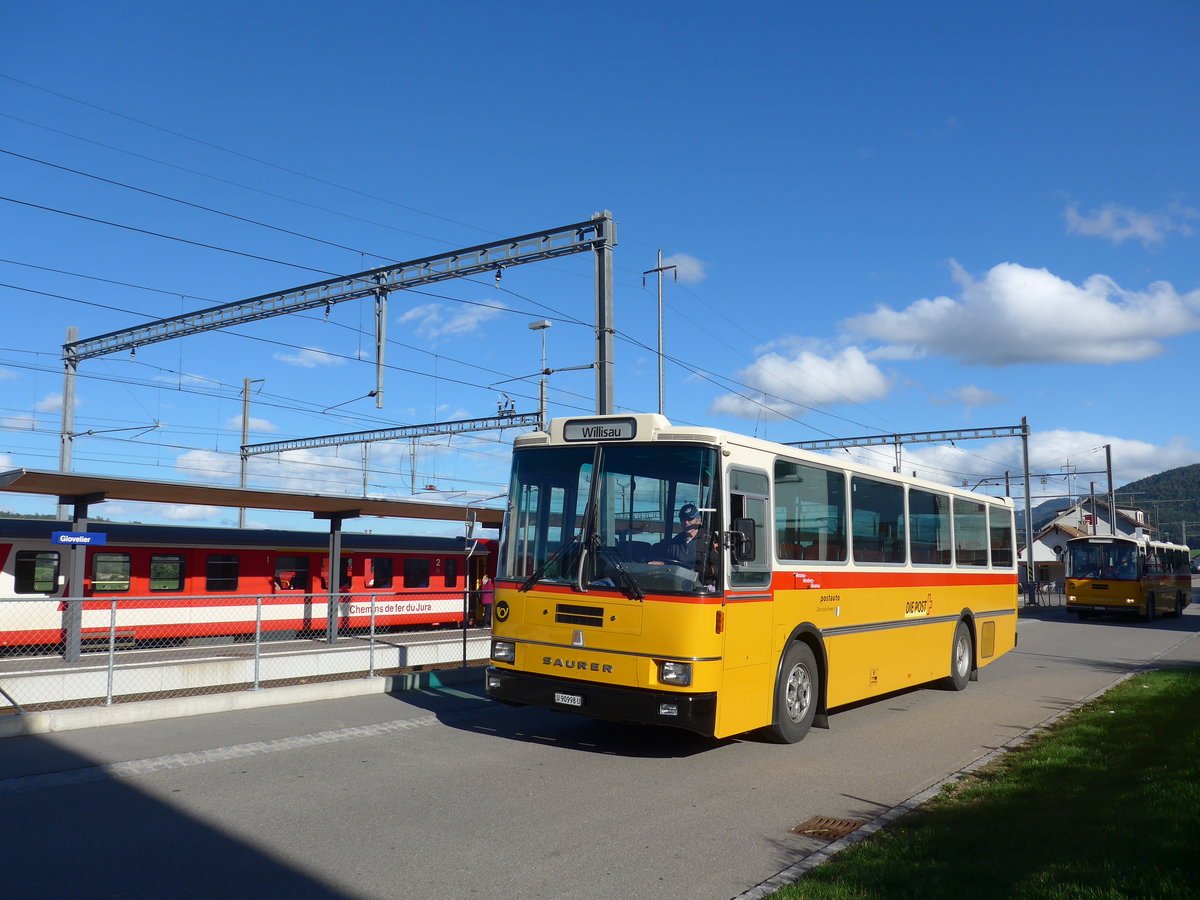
point(541, 570)
point(628, 581)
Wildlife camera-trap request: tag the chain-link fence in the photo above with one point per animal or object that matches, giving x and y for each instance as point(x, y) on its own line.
point(135, 648)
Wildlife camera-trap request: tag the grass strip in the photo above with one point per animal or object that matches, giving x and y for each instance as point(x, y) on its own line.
point(1103, 804)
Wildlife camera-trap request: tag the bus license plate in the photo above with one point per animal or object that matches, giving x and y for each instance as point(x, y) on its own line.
point(568, 699)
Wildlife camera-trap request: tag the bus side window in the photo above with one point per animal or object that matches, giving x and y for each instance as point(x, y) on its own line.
point(748, 494)
point(810, 512)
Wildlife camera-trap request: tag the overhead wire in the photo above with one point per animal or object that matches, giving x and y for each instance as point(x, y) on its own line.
point(706, 375)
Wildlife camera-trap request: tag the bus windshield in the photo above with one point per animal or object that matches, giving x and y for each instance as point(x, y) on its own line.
point(630, 517)
point(1116, 561)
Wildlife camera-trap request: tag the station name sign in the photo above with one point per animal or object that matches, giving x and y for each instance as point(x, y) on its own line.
point(599, 430)
point(92, 538)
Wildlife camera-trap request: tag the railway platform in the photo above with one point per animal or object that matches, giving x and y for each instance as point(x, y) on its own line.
point(44, 693)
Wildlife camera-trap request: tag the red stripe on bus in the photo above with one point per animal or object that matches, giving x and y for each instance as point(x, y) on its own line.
point(850, 579)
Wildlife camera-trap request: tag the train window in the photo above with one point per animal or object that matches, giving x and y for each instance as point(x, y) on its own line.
point(221, 572)
point(452, 573)
point(36, 572)
point(380, 572)
point(110, 572)
point(166, 572)
point(416, 573)
point(291, 573)
point(970, 533)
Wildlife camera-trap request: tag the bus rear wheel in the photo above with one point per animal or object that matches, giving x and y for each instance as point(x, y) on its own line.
point(796, 693)
point(961, 658)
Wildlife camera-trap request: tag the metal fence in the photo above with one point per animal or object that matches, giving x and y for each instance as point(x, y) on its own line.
point(138, 648)
point(1043, 593)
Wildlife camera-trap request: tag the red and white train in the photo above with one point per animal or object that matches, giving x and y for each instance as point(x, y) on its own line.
point(173, 582)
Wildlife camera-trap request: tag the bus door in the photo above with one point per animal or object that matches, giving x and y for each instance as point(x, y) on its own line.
point(749, 610)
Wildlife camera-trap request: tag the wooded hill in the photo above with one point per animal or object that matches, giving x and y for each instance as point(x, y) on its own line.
point(1171, 500)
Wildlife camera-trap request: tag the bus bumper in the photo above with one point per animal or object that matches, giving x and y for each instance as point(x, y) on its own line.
point(693, 712)
point(1099, 609)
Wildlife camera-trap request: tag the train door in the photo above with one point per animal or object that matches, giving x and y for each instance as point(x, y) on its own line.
point(477, 572)
point(293, 577)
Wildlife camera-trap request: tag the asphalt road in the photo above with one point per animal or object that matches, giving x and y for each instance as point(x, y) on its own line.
point(443, 794)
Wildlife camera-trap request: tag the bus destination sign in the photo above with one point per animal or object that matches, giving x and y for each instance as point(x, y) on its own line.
point(599, 430)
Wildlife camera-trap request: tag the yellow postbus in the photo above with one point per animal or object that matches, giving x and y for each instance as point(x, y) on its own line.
point(1127, 575)
point(723, 584)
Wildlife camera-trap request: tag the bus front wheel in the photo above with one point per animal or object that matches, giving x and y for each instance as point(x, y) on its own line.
point(796, 695)
point(961, 658)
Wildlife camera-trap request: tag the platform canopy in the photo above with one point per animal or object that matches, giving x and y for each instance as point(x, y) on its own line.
point(69, 487)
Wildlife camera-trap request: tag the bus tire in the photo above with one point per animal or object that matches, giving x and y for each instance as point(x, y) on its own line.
point(797, 690)
point(962, 657)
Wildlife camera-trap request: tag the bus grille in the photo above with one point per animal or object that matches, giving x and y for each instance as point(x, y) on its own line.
point(569, 614)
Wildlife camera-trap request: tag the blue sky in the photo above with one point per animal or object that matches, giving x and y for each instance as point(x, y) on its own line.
point(885, 218)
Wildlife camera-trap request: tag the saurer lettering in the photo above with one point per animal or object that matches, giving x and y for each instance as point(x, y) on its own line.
point(581, 665)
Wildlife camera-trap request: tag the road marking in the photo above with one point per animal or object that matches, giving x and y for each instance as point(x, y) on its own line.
point(26, 783)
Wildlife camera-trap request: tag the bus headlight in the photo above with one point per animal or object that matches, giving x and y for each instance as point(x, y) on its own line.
point(504, 651)
point(675, 673)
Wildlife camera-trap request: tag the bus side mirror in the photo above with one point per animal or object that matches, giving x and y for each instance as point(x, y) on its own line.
point(743, 540)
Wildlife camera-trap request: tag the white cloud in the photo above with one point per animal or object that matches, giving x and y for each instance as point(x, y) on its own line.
point(1118, 223)
point(309, 358)
point(688, 269)
point(321, 471)
point(255, 424)
point(784, 385)
point(23, 422)
point(50, 403)
point(1022, 315)
point(971, 397)
point(1049, 452)
point(434, 320)
point(172, 512)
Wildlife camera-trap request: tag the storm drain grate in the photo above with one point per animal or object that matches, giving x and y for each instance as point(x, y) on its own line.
point(827, 829)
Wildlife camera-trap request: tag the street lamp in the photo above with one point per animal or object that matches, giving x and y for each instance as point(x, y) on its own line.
point(541, 326)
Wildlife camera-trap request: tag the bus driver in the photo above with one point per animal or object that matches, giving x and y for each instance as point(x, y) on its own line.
point(681, 548)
